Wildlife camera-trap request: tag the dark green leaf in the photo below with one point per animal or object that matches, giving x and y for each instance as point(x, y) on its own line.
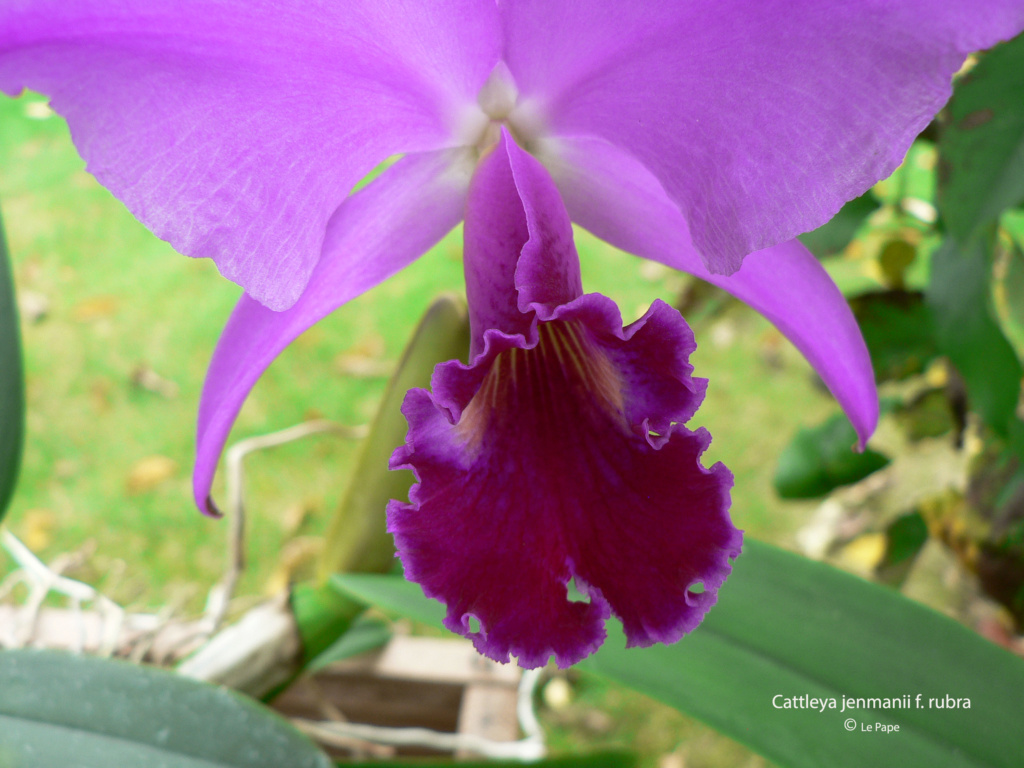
point(822, 458)
point(981, 149)
point(905, 537)
point(1017, 437)
point(788, 626)
point(63, 710)
point(12, 393)
point(897, 327)
point(836, 234)
point(960, 299)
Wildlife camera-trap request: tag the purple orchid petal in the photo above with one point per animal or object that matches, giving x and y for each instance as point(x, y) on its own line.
point(378, 231)
point(234, 129)
point(559, 453)
point(615, 197)
point(759, 118)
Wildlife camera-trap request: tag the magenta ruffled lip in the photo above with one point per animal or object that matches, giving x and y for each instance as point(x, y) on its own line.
point(559, 454)
point(552, 485)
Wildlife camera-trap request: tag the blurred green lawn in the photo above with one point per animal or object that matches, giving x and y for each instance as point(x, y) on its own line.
point(120, 301)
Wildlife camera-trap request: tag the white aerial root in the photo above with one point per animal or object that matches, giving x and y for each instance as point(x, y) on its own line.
point(222, 592)
point(138, 634)
point(42, 580)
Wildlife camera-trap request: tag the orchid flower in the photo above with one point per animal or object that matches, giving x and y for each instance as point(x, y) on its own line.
point(559, 452)
point(703, 135)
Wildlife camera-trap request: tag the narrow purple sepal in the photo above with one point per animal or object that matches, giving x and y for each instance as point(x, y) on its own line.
point(619, 200)
point(378, 230)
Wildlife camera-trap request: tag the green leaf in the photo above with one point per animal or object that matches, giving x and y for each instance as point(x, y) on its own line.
point(905, 537)
point(836, 234)
point(12, 392)
point(63, 710)
point(322, 616)
point(356, 537)
point(363, 635)
point(898, 330)
point(787, 626)
point(392, 593)
point(1017, 438)
point(959, 296)
point(981, 149)
point(822, 458)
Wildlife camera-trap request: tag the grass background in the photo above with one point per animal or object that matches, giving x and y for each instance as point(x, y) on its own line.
point(107, 461)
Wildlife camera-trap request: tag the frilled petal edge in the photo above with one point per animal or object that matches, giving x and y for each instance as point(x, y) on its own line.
point(559, 453)
point(567, 464)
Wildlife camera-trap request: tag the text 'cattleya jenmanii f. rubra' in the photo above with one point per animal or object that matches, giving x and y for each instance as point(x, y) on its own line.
point(704, 135)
